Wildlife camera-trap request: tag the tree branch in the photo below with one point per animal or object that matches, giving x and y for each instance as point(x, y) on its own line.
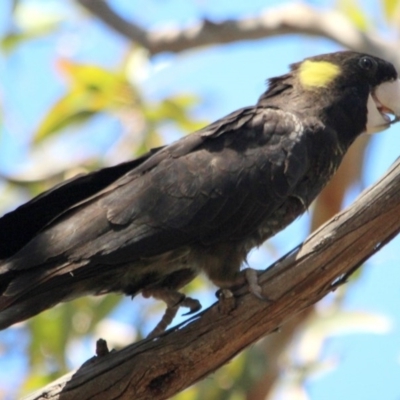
point(295, 18)
point(158, 368)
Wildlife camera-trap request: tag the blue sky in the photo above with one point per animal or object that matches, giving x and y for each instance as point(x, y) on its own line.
point(225, 78)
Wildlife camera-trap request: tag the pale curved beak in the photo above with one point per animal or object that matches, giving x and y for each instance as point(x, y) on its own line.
point(384, 100)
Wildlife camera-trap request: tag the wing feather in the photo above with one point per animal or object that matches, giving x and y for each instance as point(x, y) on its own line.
point(214, 185)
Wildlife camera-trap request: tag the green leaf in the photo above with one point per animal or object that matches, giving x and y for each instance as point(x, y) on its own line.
point(174, 109)
point(74, 108)
point(93, 90)
point(95, 78)
point(14, 39)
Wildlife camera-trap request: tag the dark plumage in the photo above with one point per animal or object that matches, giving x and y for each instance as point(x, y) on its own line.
point(200, 204)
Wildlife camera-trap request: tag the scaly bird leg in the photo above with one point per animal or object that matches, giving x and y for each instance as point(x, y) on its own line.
point(248, 276)
point(174, 300)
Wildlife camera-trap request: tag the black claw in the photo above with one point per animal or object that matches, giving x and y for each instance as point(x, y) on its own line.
point(190, 312)
point(192, 304)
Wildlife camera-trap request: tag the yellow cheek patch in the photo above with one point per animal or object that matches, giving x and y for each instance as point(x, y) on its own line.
point(317, 74)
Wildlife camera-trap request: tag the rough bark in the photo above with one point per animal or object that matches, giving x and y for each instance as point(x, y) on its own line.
point(158, 368)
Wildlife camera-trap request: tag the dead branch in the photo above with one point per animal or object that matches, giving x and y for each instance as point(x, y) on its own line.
point(295, 18)
point(159, 368)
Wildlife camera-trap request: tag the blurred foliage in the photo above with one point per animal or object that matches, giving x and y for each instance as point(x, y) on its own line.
point(391, 9)
point(52, 331)
point(91, 90)
point(13, 39)
point(28, 23)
